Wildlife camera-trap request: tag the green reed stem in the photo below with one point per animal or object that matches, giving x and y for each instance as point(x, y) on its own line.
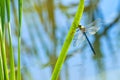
point(2, 36)
point(68, 40)
point(19, 39)
point(1, 62)
point(12, 67)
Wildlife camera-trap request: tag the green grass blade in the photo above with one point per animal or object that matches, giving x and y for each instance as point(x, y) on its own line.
point(3, 54)
point(8, 10)
point(1, 69)
point(19, 38)
point(1, 62)
point(2, 4)
point(2, 35)
point(68, 40)
point(12, 65)
point(1, 59)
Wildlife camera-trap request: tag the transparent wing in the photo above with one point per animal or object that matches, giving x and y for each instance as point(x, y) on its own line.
point(78, 38)
point(93, 27)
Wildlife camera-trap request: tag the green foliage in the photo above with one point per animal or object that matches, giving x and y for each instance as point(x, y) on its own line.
point(12, 68)
point(2, 39)
point(5, 9)
point(19, 38)
point(1, 62)
point(68, 40)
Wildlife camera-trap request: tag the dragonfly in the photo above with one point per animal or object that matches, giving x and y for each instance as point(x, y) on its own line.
point(83, 32)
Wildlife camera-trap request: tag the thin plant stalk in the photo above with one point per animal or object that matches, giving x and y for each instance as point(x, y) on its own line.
point(1, 62)
point(19, 39)
point(68, 40)
point(2, 36)
point(1, 69)
point(3, 55)
point(12, 67)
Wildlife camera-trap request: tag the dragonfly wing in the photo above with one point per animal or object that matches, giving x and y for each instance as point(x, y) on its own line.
point(93, 27)
point(79, 37)
point(92, 30)
point(78, 32)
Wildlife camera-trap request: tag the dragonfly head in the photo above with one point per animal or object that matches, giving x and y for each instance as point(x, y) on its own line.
point(82, 28)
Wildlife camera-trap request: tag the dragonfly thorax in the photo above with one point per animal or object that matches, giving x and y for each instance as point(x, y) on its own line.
point(82, 28)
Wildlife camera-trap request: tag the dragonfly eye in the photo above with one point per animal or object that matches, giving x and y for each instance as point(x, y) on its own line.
point(79, 25)
point(82, 28)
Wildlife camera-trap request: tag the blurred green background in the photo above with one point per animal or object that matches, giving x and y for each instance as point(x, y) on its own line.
point(45, 25)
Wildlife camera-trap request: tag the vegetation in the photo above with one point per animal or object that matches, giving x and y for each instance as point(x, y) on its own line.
point(5, 10)
point(36, 40)
point(68, 40)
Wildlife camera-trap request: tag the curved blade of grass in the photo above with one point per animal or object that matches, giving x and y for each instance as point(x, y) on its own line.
point(68, 40)
point(19, 39)
point(12, 67)
point(2, 36)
